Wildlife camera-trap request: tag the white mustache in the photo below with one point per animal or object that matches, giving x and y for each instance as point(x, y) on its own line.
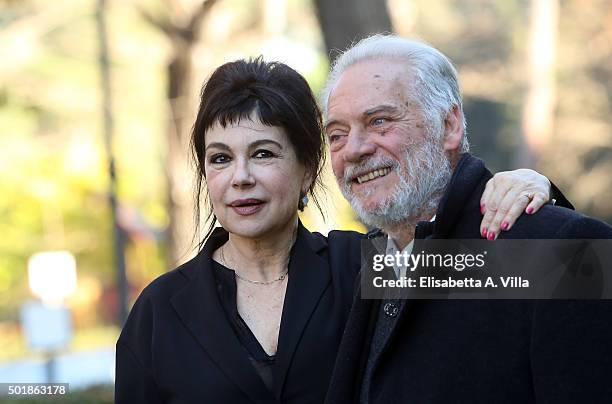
point(367, 165)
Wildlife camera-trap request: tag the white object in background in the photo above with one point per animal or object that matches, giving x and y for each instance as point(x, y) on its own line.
point(46, 327)
point(52, 276)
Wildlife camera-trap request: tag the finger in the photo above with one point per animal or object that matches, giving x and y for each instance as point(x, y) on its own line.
point(502, 211)
point(536, 203)
point(515, 210)
point(486, 195)
point(491, 210)
point(485, 203)
point(540, 185)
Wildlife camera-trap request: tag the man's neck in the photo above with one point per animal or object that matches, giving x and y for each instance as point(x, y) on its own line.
point(402, 233)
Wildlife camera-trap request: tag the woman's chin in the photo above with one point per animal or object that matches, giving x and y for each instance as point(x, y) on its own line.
point(257, 227)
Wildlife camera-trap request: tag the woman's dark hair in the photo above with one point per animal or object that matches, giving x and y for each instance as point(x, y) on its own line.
point(274, 93)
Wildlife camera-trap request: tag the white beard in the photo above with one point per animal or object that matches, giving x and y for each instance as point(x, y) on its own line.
point(419, 190)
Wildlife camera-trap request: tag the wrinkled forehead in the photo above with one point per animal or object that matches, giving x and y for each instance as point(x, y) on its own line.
point(369, 83)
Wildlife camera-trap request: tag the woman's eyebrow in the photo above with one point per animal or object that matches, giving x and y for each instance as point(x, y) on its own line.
point(261, 142)
point(217, 145)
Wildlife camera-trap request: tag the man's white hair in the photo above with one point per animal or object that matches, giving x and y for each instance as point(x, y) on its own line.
point(435, 86)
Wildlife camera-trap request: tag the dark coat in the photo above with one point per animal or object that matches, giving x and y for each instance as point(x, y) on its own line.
point(483, 351)
point(178, 346)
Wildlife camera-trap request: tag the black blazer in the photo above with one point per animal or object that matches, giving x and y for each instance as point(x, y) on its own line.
point(177, 345)
point(483, 351)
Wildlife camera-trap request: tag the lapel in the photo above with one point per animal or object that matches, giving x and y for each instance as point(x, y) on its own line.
point(309, 276)
point(200, 310)
point(376, 311)
point(465, 180)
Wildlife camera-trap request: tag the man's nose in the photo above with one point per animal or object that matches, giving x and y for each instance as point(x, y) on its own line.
point(359, 145)
point(242, 176)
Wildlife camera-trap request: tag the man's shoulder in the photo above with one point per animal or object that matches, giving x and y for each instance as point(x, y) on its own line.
point(558, 222)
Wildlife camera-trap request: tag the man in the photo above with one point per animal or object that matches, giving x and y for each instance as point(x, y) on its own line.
point(396, 129)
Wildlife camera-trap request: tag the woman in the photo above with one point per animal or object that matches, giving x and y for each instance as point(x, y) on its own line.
point(258, 314)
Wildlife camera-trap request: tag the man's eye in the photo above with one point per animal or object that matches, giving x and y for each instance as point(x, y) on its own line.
point(219, 159)
point(379, 121)
point(263, 154)
point(335, 137)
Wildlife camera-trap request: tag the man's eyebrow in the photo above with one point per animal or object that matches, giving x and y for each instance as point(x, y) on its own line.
point(330, 123)
point(388, 108)
point(380, 108)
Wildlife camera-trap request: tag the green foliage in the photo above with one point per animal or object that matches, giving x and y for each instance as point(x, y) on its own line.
point(53, 169)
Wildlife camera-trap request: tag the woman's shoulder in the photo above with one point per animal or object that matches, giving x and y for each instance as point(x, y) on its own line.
point(154, 300)
point(336, 240)
point(161, 289)
point(343, 250)
point(346, 235)
point(170, 281)
point(344, 239)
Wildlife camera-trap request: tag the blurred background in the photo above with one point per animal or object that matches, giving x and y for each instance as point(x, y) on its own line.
point(97, 99)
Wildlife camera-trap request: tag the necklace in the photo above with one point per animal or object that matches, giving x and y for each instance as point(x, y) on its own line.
point(282, 276)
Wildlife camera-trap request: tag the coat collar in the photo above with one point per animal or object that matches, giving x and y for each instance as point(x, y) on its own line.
point(309, 276)
point(465, 181)
point(199, 308)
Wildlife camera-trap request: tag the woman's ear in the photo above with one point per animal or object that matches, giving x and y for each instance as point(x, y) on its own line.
point(306, 182)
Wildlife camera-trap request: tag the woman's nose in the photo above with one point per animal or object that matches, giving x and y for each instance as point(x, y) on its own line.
point(242, 175)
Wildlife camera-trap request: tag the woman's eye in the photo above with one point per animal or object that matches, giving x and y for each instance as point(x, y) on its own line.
point(263, 154)
point(219, 159)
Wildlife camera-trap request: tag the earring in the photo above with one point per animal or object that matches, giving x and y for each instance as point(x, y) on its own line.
point(303, 201)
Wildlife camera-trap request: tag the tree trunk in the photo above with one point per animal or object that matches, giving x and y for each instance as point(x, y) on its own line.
point(180, 179)
point(539, 108)
point(346, 21)
point(182, 36)
point(108, 129)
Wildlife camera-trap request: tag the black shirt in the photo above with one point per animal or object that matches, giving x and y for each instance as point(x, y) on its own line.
point(263, 363)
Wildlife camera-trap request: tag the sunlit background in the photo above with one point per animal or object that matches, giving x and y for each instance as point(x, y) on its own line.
point(537, 83)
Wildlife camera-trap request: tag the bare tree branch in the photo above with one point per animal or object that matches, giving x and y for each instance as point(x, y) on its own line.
point(157, 22)
point(198, 16)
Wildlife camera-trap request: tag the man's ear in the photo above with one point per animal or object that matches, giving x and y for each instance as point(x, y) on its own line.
point(453, 129)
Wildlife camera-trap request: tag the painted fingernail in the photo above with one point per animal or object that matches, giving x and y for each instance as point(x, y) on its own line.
point(505, 225)
point(482, 208)
point(529, 210)
point(491, 236)
point(484, 232)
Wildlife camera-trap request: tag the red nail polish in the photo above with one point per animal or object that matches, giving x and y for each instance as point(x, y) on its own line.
point(504, 226)
point(529, 210)
point(484, 232)
point(491, 236)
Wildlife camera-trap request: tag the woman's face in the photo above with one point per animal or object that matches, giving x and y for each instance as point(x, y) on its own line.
point(254, 178)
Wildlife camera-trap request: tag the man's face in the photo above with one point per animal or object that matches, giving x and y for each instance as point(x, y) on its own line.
point(381, 145)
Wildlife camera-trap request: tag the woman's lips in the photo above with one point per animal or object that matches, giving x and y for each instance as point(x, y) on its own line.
point(246, 207)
